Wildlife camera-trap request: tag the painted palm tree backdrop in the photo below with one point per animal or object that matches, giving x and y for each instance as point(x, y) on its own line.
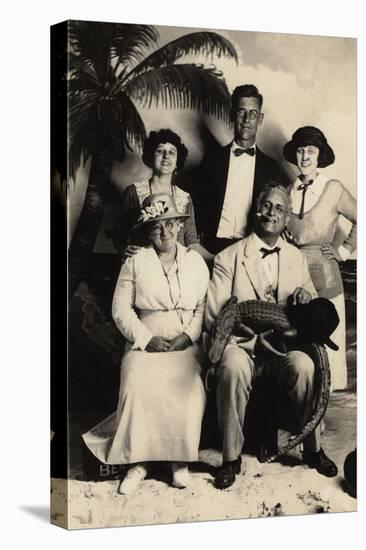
point(113, 70)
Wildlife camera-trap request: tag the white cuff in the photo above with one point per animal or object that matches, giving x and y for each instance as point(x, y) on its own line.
point(142, 339)
point(192, 333)
point(344, 252)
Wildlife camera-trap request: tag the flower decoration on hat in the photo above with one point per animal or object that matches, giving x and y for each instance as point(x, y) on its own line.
point(155, 209)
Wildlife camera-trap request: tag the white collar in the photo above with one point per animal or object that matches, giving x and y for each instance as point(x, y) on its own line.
point(258, 243)
point(181, 251)
point(320, 179)
point(235, 145)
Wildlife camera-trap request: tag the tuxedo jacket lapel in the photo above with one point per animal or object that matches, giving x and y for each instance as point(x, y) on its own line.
point(261, 173)
point(222, 170)
point(261, 176)
point(266, 169)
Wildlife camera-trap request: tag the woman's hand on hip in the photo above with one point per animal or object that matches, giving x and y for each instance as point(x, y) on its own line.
point(330, 252)
point(158, 343)
point(180, 342)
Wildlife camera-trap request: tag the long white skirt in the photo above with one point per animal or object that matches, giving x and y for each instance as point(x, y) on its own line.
point(160, 410)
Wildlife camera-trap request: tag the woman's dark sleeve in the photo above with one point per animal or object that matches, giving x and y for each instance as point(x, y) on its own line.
point(190, 231)
point(128, 213)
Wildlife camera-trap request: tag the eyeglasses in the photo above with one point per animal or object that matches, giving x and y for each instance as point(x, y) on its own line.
point(158, 227)
point(243, 113)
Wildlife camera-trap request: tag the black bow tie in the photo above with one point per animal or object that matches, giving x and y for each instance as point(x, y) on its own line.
point(268, 251)
point(250, 151)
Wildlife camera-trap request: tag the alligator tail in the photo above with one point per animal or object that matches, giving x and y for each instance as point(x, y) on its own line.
point(222, 330)
point(322, 373)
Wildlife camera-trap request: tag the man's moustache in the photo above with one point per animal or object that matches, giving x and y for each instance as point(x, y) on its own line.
point(268, 218)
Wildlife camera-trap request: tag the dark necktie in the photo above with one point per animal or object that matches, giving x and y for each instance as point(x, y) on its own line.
point(250, 151)
point(303, 187)
point(268, 251)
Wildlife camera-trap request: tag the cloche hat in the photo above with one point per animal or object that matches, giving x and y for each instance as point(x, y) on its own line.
point(309, 135)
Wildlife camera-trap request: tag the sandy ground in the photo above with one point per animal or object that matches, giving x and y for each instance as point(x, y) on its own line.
point(261, 490)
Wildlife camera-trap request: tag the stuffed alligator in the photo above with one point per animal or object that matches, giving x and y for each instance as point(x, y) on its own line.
point(313, 323)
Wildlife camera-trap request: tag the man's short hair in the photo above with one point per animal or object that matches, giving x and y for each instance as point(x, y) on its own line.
point(274, 186)
point(246, 90)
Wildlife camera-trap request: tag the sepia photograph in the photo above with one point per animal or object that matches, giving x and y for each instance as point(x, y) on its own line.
point(206, 195)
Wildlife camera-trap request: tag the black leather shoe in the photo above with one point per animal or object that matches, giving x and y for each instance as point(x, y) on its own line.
point(225, 476)
point(319, 460)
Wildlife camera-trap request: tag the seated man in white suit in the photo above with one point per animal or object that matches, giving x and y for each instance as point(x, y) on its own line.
point(262, 266)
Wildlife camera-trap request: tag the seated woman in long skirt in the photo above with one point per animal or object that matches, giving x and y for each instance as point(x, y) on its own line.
point(158, 306)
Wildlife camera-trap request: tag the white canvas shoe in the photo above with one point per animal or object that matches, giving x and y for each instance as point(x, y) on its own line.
point(181, 476)
point(132, 479)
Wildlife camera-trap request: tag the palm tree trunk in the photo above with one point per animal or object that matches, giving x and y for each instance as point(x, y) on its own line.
point(83, 241)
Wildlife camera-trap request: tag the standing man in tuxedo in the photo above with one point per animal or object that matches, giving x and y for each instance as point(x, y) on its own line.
point(231, 177)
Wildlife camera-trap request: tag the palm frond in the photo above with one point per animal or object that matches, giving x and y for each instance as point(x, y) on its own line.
point(182, 86)
point(120, 124)
point(96, 121)
point(78, 67)
point(133, 123)
point(204, 43)
point(83, 76)
point(77, 64)
point(79, 85)
point(91, 42)
point(78, 152)
point(131, 43)
point(79, 109)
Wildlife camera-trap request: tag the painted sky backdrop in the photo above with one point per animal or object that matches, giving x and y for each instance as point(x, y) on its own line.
point(305, 80)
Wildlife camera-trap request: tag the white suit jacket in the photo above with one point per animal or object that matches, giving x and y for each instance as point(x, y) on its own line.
point(238, 272)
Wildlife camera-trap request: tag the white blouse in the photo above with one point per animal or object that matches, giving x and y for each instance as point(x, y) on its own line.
point(143, 286)
point(313, 193)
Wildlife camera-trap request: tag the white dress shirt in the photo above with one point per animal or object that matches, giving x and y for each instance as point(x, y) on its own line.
point(238, 195)
point(312, 196)
point(270, 262)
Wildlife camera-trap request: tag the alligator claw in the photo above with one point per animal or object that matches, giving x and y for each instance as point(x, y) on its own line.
point(262, 339)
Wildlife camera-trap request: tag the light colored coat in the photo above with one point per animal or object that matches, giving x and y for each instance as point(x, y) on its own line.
point(238, 272)
point(142, 289)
